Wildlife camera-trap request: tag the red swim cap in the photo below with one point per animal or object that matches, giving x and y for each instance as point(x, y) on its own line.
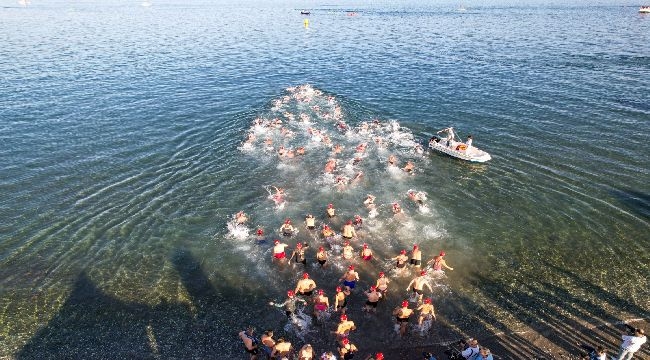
point(351, 267)
point(299, 245)
point(403, 252)
point(320, 291)
point(276, 241)
point(329, 206)
point(415, 247)
point(338, 289)
point(405, 303)
point(287, 221)
point(260, 232)
point(321, 248)
point(349, 222)
point(365, 246)
point(381, 274)
point(442, 253)
point(427, 301)
point(422, 273)
point(373, 288)
point(344, 317)
point(345, 341)
point(305, 276)
point(291, 293)
point(379, 356)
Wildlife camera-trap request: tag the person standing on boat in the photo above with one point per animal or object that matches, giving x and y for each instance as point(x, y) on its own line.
point(468, 142)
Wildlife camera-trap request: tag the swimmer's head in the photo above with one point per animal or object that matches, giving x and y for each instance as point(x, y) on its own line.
point(321, 249)
point(351, 267)
point(373, 288)
point(405, 303)
point(287, 221)
point(422, 273)
point(403, 252)
point(349, 222)
point(442, 253)
point(345, 341)
point(365, 246)
point(379, 356)
point(276, 241)
point(305, 276)
point(415, 247)
point(299, 245)
point(338, 289)
point(290, 293)
point(344, 317)
point(427, 301)
point(326, 227)
point(381, 274)
point(260, 232)
point(320, 292)
point(329, 206)
point(346, 243)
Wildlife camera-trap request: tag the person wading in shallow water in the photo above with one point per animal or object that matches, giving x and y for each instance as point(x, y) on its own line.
point(299, 254)
point(250, 342)
point(290, 303)
point(402, 315)
point(350, 277)
point(321, 256)
point(305, 286)
point(417, 285)
point(439, 262)
point(416, 256)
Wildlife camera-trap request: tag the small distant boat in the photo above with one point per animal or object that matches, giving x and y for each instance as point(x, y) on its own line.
point(146, 3)
point(458, 149)
point(24, 3)
point(462, 8)
point(644, 9)
point(304, 12)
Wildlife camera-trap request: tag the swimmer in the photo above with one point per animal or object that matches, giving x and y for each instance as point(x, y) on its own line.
point(300, 150)
point(373, 299)
point(402, 315)
point(327, 140)
point(321, 256)
point(328, 355)
point(289, 304)
point(348, 231)
point(341, 180)
point(348, 251)
point(366, 253)
point(416, 256)
point(396, 209)
point(260, 235)
point(278, 197)
point(340, 299)
point(268, 142)
point(241, 218)
point(382, 283)
point(282, 151)
point(409, 167)
point(287, 229)
point(416, 197)
point(370, 200)
point(344, 327)
point(417, 285)
point(330, 165)
point(290, 154)
point(337, 149)
point(358, 221)
point(299, 254)
point(361, 147)
point(392, 160)
point(401, 259)
point(426, 311)
point(305, 286)
point(418, 149)
point(357, 177)
point(356, 160)
point(350, 277)
point(438, 262)
point(278, 250)
point(327, 232)
point(331, 211)
point(310, 222)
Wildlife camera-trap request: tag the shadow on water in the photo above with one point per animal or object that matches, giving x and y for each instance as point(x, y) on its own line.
point(636, 201)
point(94, 325)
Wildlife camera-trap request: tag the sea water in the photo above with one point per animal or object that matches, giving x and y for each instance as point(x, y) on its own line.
point(124, 158)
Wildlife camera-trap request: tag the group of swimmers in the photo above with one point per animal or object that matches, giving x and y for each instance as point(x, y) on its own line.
point(307, 293)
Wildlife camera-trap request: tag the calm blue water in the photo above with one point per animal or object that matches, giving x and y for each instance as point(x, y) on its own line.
point(121, 129)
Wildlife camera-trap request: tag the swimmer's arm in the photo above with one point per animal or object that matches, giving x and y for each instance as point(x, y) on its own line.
point(409, 285)
point(429, 286)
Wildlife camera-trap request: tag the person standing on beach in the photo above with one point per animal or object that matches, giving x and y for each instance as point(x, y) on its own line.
point(250, 342)
point(631, 344)
point(299, 254)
